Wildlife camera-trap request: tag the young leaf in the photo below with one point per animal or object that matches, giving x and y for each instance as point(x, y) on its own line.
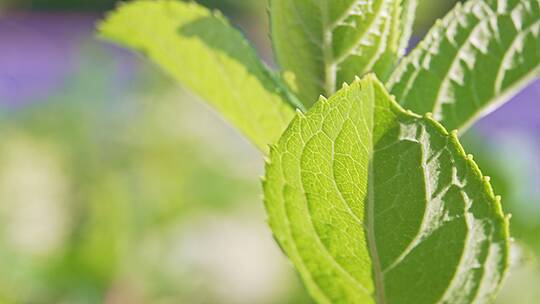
point(476, 58)
point(320, 44)
point(205, 54)
point(377, 205)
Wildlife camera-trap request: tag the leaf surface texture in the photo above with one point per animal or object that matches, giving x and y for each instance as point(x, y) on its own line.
point(320, 44)
point(481, 54)
point(377, 205)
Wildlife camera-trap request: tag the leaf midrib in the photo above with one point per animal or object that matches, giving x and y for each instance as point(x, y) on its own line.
point(330, 71)
point(380, 295)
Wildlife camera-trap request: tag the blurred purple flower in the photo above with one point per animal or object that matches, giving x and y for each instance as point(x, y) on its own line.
point(518, 115)
point(39, 52)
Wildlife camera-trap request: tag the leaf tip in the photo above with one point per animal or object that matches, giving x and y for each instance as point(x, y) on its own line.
point(300, 114)
point(323, 99)
point(273, 147)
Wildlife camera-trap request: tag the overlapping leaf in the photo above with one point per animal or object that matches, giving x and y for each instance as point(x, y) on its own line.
point(206, 55)
point(377, 205)
point(482, 53)
point(320, 44)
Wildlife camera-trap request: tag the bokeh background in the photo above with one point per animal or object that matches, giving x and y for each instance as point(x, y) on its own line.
point(117, 186)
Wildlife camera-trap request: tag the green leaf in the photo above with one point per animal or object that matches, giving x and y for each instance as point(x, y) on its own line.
point(320, 44)
point(472, 61)
point(377, 205)
point(205, 54)
point(408, 13)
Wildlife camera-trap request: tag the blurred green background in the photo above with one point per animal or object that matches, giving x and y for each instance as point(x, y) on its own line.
point(116, 186)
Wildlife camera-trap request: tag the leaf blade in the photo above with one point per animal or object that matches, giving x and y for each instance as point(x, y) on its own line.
point(199, 49)
point(364, 196)
point(471, 62)
point(321, 44)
